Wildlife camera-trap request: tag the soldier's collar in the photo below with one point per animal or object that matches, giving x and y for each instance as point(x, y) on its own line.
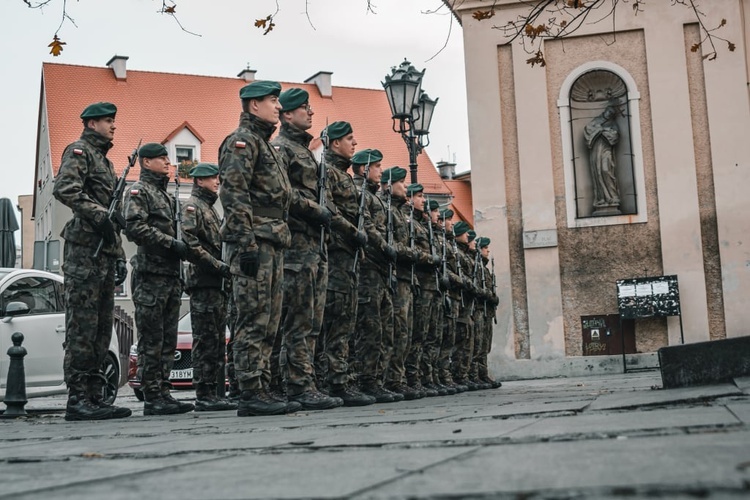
point(260, 127)
point(295, 134)
point(96, 139)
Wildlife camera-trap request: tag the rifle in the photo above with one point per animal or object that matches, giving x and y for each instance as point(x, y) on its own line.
point(432, 244)
point(458, 265)
point(484, 287)
point(322, 192)
point(494, 285)
point(113, 213)
point(411, 243)
point(178, 218)
point(361, 209)
point(389, 236)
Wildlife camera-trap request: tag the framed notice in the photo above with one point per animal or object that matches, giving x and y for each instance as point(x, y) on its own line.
point(648, 297)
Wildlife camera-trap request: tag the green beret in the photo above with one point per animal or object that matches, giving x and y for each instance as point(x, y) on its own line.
point(260, 88)
point(411, 189)
point(337, 130)
point(152, 150)
point(483, 242)
point(204, 170)
point(472, 234)
point(366, 156)
point(99, 110)
point(460, 228)
point(446, 213)
point(293, 98)
point(430, 205)
point(392, 174)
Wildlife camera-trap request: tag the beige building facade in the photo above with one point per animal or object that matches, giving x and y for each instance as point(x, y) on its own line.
point(626, 156)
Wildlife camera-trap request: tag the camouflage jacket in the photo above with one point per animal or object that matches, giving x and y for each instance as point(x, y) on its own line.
point(426, 271)
point(303, 170)
point(345, 197)
point(404, 253)
point(454, 276)
point(201, 227)
point(377, 237)
point(255, 190)
point(85, 183)
point(150, 218)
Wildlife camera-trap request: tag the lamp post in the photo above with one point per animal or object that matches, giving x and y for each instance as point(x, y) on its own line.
point(411, 110)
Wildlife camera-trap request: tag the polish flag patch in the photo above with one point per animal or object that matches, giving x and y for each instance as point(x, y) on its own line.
point(240, 145)
point(134, 191)
point(78, 152)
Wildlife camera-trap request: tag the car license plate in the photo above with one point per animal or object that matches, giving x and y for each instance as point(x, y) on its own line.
point(181, 374)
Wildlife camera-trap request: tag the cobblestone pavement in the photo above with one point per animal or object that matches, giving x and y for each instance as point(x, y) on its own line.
point(616, 436)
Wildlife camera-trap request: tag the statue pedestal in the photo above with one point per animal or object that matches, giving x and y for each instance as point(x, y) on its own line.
point(606, 210)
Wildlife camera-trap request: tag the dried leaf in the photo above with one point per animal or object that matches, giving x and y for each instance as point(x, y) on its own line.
point(91, 454)
point(731, 46)
point(261, 23)
point(266, 23)
point(537, 59)
point(695, 47)
point(170, 10)
point(56, 46)
point(723, 23)
point(483, 14)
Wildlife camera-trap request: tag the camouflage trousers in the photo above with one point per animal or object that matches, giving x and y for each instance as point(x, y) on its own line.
point(486, 343)
point(338, 320)
point(374, 325)
point(157, 301)
point(304, 298)
point(258, 302)
point(445, 357)
point(234, 387)
point(423, 313)
point(479, 338)
point(208, 316)
point(432, 341)
point(403, 302)
point(89, 305)
point(464, 346)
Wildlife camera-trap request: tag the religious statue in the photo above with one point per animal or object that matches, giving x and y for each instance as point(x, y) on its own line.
point(602, 135)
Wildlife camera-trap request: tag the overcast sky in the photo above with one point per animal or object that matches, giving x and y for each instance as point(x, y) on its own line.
point(357, 46)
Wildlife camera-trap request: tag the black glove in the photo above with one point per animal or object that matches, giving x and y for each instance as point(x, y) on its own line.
point(322, 216)
point(444, 283)
point(107, 230)
point(414, 256)
point(360, 238)
point(249, 263)
point(390, 252)
point(435, 260)
point(224, 270)
point(180, 248)
point(121, 272)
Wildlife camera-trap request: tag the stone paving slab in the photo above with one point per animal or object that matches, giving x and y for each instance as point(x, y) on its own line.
point(741, 410)
point(710, 460)
point(635, 399)
point(521, 409)
point(743, 383)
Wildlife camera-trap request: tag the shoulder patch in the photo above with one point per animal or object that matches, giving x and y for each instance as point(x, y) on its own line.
point(277, 148)
point(190, 208)
point(134, 191)
point(240, 144)
point(77, 151)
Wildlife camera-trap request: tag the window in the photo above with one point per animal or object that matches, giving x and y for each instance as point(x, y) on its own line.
point(184, 154)
point(38, 293)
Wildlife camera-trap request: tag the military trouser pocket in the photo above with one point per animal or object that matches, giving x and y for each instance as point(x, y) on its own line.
point(142, 295)
point(77, 271)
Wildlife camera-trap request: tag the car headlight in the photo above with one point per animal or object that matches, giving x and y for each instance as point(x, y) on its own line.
point(134, 350)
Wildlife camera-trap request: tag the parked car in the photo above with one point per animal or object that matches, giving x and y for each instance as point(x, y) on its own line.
point(33, 302)
point(181, 376)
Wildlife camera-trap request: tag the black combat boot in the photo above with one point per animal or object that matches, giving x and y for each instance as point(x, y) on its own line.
point(155, 404)
point(81, 408)
point(375, 391)
point(439, 391)
point(212, 402)
point(426, 393)
point(184, 407)
point(259, 402)
point(351, 396)
point(397, 396)
point(117, 411)
point(95, 393)
point(407, 392)
point(314, 400)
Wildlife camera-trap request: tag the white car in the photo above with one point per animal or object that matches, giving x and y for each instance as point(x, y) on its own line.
point(33, 302)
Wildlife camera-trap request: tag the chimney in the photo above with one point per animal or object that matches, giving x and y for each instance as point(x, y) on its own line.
point(119, 65)
point(447, 170)
point(323, 81)
point(247, 74)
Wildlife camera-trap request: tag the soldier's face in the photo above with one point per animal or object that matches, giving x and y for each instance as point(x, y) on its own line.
point(486, 252)
point(417, 199)
point(464, 238)
point(104, 126)
point(434, 216)
point(301, 117)
point(398, 188)
point(267, 109)
point(210, 183)
point(376, 168)
point(473, 244)
point(159, 165)
point(448, 225)
point(345, 146)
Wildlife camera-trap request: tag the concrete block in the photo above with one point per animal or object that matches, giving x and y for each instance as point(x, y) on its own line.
point(704, 363)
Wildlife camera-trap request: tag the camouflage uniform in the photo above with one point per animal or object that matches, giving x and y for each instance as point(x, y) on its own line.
point(492, 302)
point(479, 316)
point(157, 289)
point(85, 183)
point(403, 298)
point(208, 290)
point(434, 333)
point(464, 345)
point(305, 267)
point(256, 195)
point(341, 298)
point(375, 304)
point(445, 357)
point(424, 301)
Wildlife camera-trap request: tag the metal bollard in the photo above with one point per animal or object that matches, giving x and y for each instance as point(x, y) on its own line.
point(15, 391)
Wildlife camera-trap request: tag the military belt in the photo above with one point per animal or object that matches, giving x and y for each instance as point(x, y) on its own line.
point(271, 213)
point(158, 250)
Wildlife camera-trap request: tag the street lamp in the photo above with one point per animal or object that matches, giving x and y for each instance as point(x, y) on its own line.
point(411, 110)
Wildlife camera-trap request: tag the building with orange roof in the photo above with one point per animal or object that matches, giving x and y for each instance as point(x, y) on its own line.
point(191, 115)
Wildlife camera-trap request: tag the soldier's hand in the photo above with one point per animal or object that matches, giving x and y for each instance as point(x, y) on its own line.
point(224, 270)
point(322, 217)
point(390, 252)
point(360, 238)
point(180, 248)
point(107, 230)
point(435, 260)
point(121, 272)
point(444, 283)
point(414, 256)
point(249, 263)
